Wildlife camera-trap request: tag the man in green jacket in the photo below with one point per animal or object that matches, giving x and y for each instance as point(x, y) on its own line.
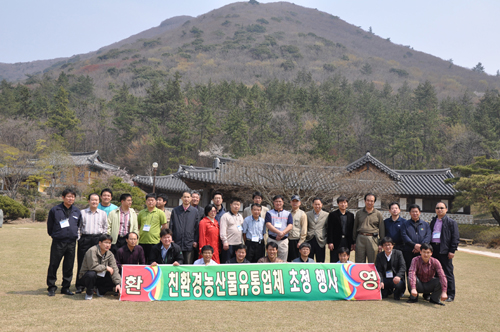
point(99, 269)
point(121, 222)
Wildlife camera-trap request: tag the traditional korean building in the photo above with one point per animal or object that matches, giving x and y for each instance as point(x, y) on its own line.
point(422, 187)
point(170, 185)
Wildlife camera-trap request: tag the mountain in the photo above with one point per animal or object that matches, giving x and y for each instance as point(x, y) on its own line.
point(254, 43)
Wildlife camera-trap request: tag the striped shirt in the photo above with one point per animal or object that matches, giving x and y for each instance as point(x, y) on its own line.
point(124, 222)
point(425, 272)
point(93, 223)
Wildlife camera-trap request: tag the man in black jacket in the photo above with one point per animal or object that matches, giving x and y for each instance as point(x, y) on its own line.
point(339, 229)
point(62, 225)
point(166, 252)
point(444, 241)
point(184, 223)
point(391, 267)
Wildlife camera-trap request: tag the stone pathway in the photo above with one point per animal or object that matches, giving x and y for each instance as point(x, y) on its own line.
point(478, 252)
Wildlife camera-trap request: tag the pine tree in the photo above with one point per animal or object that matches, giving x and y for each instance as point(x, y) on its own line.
point(61, 118)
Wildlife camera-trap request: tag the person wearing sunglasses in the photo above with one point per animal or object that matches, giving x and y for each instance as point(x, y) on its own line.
point(444, 241)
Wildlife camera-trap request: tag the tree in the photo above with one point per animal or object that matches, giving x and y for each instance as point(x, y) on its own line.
point(119, 185)
point(479, 184)
point(61, 118)
point(479, 68)
point(366, 69)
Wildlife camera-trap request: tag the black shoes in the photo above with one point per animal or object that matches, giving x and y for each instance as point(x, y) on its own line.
point(67, 292)
point(415, 300)
point(79, 290)
point(438, 302)
point(450, 299)
point(52, 293)
point(427, 297)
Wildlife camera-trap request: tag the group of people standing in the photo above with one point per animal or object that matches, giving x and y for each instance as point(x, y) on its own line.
point(109, 236)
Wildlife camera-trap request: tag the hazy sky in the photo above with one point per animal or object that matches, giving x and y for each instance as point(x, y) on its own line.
point(462, 30)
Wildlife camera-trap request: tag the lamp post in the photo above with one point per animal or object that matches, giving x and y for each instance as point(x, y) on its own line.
point(155, 166)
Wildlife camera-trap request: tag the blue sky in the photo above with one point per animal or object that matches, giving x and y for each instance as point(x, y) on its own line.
point(462, 30)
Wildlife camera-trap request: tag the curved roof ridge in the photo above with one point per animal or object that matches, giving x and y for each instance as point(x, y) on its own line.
point(368, 158)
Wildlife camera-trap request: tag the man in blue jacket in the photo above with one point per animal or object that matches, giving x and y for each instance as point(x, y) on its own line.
point(62, 225)
point(393, 225)
point(444, 241)
point(414, 232)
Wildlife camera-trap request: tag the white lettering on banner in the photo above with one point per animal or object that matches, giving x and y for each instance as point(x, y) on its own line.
point(173, 283)
point(255, 282)
point(220, 281)
point(370, 279)
point(321, 279)
point(185, 280)
point(332, 280)
point(209, 285)
point(266, 281)
point(306, 281)
point(243, 277)
point(232, 289)
point(294, 281)
point(197, 291)
point(278, 281)
point(133, 282)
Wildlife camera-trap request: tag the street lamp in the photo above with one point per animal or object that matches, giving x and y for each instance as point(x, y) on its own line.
point(155, 166)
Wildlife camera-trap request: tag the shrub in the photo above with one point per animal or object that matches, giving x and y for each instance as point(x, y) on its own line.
point(256, 28)
point(495, 243)
point(12, 209)
point(41, 214)
point(151, 43)
point(288, 65)
point(399, 72)
point(328, 67)
point(196, 32)
point(261, 52)
point(226, 23)
point(262, 21)
point(277, 19)
point(271, 40)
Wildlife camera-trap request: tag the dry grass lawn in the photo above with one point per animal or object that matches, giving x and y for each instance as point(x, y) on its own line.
point(25, 306)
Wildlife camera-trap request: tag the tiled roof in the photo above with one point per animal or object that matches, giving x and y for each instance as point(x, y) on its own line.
point(230, 172)
point(425, 182)
point(91, 159)
point(406, 182)
point(368, 158)
point(168, 182)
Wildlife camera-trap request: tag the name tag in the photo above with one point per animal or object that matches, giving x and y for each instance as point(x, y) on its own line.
point(101, 274)
point(64, 223)
point(389, 275)
point(277, 224)
point(436, 235)
point(255, 238)
point(239, 228)
point(146, 228)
